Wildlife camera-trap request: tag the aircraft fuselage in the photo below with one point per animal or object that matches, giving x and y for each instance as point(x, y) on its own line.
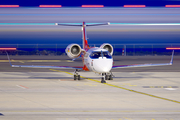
point(98, 60)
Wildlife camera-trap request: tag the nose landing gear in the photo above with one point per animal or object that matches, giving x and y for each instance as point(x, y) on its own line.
point(109, 76)
point(106, 76)
point(103, 78)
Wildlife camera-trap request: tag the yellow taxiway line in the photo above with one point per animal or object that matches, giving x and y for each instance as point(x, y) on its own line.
point(121, 87)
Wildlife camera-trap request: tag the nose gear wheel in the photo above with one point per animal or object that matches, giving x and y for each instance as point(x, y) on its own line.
point(103, 78)
point(108, 76)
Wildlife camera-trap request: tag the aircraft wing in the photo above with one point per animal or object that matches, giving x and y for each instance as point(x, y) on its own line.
point(144, 65)
point(39, 66)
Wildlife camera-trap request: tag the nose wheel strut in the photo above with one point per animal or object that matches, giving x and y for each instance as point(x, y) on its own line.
point(103, 78)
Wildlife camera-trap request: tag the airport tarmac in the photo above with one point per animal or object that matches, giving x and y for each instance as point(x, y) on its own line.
point(150, 93)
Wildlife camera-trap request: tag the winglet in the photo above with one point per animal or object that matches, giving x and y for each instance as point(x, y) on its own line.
point(8, 58)
point(171, 62)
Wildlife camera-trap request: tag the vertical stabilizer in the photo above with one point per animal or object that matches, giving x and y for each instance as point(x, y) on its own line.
point(84, 35)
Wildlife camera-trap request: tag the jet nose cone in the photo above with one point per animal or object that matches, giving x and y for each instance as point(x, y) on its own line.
point(102, 66)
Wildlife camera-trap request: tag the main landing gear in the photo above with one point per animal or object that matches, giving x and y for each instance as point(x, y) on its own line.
point(106, 76)
point(76, 75)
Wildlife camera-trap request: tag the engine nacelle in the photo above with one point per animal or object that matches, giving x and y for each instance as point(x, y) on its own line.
point(108, 47)
point(73, 51)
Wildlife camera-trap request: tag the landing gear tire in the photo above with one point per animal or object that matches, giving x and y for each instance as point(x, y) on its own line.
point(79, 78)
point(102, 80)
point(108, 77)
point(74, 77)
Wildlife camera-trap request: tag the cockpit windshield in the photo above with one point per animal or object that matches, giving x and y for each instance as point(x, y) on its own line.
point(96, 55)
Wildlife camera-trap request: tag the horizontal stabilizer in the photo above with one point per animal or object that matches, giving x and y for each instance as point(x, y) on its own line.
point(98, 24)
point(68, 24)
point(79, 24)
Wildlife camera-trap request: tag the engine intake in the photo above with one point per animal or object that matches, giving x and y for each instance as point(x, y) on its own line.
point(108, 47)
point(73, 50)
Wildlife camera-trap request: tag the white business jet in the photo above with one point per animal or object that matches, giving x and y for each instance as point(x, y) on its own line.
point(96, 59)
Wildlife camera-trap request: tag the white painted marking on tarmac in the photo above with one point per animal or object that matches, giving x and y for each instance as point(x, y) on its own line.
point(169, 88)
point(21, 86)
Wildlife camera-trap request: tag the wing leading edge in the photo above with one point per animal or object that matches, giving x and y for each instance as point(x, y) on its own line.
point(39, 66)
point(145, 65)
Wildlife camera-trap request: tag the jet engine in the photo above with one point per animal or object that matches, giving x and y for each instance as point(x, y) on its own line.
point(108, 47)
point(73, 51)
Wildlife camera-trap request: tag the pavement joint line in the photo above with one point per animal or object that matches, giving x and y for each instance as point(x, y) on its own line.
point(121, 87)
point(115, 111)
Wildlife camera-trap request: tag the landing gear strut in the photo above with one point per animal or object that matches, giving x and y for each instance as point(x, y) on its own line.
point(76, 75)
point(103, 78)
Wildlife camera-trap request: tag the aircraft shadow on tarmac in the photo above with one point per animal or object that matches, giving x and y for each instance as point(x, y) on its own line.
point(96, 78)
point(121, 78)
point(63, 78)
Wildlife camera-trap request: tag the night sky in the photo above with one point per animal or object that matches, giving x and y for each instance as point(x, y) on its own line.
point(77, 3)
point(97, 35)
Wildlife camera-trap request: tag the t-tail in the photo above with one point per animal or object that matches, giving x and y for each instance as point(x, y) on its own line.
point(84, 34)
